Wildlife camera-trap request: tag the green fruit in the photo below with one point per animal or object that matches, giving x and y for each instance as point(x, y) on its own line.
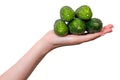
point(60, 28)
point(94, 25)
point(77, 26)
point(84, 12)
point(67, 13)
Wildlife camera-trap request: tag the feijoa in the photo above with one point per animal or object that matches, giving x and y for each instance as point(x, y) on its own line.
point(94, 25)
point(77, 26)
point(60, 28)
point(84, 12)
point(67, 13)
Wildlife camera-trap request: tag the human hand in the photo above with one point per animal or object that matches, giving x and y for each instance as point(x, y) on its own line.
point(43, 46)
point(57, 41)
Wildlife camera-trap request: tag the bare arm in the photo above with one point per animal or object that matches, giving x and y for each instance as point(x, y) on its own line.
point(24, 67)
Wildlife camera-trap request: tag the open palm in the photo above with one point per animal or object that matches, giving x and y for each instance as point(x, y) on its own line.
point(58, 41)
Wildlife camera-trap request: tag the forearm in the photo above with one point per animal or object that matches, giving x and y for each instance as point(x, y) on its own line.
point(24, 67)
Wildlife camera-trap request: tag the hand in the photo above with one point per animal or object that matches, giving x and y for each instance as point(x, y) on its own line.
point(58, 41)
point(42, 47)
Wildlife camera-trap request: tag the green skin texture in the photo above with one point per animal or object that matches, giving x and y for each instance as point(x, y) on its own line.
point(94, 25)
point(84, 12)
point(60, 28)
point(77, 26)
point(67, 13)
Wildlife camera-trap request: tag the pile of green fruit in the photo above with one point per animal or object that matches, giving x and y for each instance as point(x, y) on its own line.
point(76, 22)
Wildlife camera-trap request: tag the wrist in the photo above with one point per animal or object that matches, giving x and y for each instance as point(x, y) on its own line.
point(45, 45)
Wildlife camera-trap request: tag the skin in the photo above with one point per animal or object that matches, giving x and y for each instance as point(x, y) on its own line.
point(24, 67)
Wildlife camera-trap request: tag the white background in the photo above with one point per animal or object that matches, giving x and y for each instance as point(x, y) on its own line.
point(23, 22)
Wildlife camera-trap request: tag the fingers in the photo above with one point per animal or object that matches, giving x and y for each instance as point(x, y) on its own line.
point(89, 37)
point(107, 29)
point(108, 26)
